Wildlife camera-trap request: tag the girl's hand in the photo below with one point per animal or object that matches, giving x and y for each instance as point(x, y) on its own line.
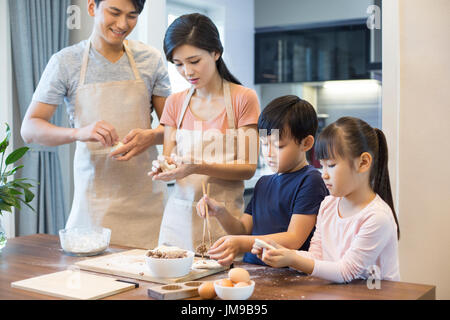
point(225, 250)
point(257, 251)
point(214, 207)
point(279, 257)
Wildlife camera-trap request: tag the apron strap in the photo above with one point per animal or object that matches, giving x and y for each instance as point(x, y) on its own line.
point(228, 105)
point(185, 105)
point(84, 64)
point(132, 62)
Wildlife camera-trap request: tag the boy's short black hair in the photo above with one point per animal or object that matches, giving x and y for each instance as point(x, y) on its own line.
point(289, 112)
point(138, 4)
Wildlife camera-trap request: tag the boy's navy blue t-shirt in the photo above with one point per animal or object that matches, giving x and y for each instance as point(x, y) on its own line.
point(277, 197)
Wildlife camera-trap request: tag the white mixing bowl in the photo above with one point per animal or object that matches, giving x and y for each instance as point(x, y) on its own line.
point(170, 268)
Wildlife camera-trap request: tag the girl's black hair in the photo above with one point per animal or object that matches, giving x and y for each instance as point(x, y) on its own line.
point(138, 4)
point(348, 138)
point(292, 113)
point(199, 31)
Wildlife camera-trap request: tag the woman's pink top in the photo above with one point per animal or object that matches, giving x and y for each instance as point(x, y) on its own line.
point(351, 248)
point(245, 105)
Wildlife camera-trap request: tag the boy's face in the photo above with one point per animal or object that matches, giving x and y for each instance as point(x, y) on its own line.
point(283, 155)
point(114, 19)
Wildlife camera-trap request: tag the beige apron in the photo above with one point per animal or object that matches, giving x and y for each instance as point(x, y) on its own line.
point(109, 193)
point(181, 226)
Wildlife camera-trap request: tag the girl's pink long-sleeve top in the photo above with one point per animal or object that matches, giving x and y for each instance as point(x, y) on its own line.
point(344, 249)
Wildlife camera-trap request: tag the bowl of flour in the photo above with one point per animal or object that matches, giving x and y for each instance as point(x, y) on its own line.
point(84, 242)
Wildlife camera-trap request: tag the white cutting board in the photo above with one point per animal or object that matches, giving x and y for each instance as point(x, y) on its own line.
point(132, 264)
point(73, 284)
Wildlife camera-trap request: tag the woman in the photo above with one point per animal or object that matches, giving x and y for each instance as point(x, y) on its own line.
point(205, 124)
point(110, 87)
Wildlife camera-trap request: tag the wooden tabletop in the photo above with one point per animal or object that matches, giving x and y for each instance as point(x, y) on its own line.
point(36, 255)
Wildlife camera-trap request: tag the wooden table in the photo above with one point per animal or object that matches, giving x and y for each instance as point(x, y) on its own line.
point(31, 256)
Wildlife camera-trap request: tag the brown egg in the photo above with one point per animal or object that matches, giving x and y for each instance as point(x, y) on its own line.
point(239, 275)
point(226, 283)
point(206, 290)
point(242, 284)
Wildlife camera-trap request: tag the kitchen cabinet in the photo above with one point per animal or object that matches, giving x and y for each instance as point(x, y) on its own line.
point(314, 53)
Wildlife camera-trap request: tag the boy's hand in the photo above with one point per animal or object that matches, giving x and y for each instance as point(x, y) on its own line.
point(279, 257)
point(214, 207)
point(225, 250)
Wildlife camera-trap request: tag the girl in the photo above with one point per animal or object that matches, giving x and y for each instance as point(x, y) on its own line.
point(198, 123)
point(357, 228)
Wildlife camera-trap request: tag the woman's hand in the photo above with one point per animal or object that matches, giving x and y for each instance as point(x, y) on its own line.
point(181, 171)
point(277, 258)
point(214, 208)
point(225, 250)
point(136, 142)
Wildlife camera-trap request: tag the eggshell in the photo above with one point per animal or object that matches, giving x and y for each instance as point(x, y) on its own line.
point(239, 275)
point(226, 283)
point(206, 290)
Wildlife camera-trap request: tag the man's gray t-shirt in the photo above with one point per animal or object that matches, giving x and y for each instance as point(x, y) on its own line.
point(60, 79)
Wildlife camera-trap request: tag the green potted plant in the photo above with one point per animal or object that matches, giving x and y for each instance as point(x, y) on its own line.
point(13, 192)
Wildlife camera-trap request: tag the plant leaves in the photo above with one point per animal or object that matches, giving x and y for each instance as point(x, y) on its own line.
point(4, 144)
point(16, 155)
point(9, 173)
point(29, 196)
point(4, 206)
point(27, 205)
point(15, 192)
point(22, 185)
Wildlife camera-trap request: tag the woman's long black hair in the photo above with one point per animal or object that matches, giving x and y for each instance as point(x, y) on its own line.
point(199, 31)
point(348, 138)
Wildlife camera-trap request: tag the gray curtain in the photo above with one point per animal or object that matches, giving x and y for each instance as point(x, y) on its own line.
point(38, 30)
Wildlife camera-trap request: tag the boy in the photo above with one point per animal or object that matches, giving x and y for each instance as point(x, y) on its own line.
point(284, 205)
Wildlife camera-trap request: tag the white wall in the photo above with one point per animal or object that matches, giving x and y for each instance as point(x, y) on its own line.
point(239, 39)
point(6, 112)
point(416, 117)
point(290, 12)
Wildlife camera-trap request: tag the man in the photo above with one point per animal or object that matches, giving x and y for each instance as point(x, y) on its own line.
point(110, 86)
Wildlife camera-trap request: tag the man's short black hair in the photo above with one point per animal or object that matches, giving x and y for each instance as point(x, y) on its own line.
point(289, 112)
point(138, 4)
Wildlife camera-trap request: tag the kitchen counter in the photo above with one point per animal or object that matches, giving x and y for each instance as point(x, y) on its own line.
point(36, 255)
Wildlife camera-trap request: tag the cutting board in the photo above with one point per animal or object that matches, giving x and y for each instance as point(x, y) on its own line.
point(175, 291)
point(76, 285)
point(132, 264)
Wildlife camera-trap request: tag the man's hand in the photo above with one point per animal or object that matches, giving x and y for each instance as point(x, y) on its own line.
point(100, 131)
point(136, 142)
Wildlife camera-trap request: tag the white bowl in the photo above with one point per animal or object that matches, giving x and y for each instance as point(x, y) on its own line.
point(84, 242)
point(234, 293)
point(170, 268)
